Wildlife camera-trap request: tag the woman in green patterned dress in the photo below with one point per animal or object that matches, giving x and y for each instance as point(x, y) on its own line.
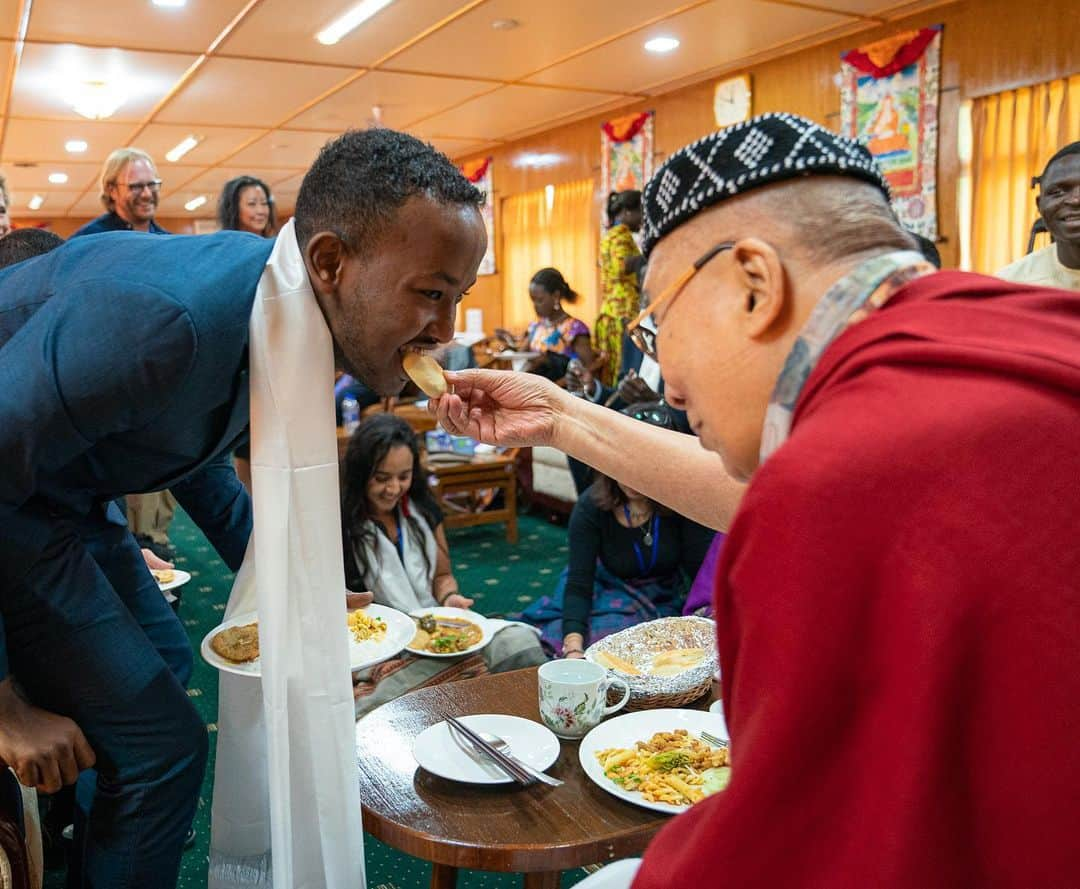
point(620, 262)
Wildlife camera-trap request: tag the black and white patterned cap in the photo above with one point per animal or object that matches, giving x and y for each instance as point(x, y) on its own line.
point(768, 148)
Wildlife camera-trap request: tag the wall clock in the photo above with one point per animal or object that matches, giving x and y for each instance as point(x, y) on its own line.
point(731, 101)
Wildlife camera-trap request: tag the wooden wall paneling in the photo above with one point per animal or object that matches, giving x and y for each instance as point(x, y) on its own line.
point(988, 46)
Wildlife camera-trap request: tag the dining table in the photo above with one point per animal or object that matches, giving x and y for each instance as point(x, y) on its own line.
point(537, 831)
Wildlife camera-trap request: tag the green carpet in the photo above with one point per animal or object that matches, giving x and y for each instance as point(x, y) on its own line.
point(501, 577)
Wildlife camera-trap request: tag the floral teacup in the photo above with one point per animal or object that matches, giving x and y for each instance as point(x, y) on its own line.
point(573, 696)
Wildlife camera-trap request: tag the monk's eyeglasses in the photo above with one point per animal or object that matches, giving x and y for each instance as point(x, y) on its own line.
point(643, 337)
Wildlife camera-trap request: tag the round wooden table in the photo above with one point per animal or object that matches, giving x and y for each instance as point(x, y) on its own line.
point(537, 831)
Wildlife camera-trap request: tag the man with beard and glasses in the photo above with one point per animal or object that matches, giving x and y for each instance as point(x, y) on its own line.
point(897, 602)
point(130, 189)
point(204, 333)
point(1057, 265)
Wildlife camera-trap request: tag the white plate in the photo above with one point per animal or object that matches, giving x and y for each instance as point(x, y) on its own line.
point(179, 579)
point(626, 730)
point(461, 613)
point(400, 628)
point(436, 751)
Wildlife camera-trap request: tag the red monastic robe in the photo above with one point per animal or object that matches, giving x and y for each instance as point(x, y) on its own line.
point(898, 612)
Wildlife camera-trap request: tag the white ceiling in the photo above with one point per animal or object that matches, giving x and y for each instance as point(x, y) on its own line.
point(249, 80)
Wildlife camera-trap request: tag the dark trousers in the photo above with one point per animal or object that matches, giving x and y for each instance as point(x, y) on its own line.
point(91, 637)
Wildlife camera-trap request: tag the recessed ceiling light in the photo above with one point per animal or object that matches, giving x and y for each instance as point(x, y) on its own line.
point(195, 202)
point(35, 202)
point(179, 150)
point(505, 24)
point(537, 160)
point(95, 99)
point(661, 44)
point(75, 146)
point(170, 4)
point(354, 18)
point(58, 178)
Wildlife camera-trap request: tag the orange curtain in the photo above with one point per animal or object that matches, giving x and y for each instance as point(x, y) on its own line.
point(1014, 134)
point(557, 229)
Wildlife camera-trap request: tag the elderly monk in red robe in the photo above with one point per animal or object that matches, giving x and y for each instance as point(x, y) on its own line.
point(898, 599)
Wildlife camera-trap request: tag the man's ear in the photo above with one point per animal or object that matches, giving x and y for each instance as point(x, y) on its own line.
point(325, 259)
point(759, 275)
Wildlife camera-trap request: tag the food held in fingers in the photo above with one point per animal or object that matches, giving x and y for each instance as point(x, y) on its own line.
point(425, 372)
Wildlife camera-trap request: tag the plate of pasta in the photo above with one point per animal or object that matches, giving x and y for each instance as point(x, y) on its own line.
point(656, 758)
point(375, 633)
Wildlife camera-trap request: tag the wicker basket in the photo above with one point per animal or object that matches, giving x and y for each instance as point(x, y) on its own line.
point(639, 644)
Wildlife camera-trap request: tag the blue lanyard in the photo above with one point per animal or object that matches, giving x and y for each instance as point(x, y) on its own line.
point(399, 543)
point(655, 532)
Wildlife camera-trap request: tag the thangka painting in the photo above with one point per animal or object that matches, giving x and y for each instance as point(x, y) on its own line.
point(889, 102)
point(626, 153)
point(479, 174)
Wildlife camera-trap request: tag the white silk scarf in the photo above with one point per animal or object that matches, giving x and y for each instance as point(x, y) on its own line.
point(286, 808)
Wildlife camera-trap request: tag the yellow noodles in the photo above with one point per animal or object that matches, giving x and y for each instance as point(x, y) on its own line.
point(665, 769)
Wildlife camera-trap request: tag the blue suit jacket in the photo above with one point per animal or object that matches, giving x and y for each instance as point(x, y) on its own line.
point(123, 369)
point(112, 222)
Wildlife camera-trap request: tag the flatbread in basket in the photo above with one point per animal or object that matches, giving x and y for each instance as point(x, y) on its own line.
point(667, 662)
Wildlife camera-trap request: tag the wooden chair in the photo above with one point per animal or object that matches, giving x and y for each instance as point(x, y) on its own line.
point(420, 421)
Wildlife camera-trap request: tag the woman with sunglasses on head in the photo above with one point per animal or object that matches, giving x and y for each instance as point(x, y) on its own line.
point(631, 560)
point(395, 546)
point(246, 205)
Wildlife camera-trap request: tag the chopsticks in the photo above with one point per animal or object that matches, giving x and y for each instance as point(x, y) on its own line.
point(503, 761)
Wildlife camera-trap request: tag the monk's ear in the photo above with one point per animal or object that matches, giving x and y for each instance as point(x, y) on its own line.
point(324, 257)
point(760, 278)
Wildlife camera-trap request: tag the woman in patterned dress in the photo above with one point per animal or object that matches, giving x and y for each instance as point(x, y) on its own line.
point(620, 262)
point(556, 334)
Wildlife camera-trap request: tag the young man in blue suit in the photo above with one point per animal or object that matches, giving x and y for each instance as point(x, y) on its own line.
point(391, 237)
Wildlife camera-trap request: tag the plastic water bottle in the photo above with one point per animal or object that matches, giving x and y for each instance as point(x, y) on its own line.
point(350, 414)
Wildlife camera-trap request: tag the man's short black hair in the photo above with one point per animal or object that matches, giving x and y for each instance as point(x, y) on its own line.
point(361, 179)
point(1064, 151)
point(26, 243)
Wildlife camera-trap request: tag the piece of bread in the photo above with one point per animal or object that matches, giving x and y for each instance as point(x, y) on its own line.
point(614, 662)
point(163, 575)
point(425, 372)
point(679, 657)
point(238, 644)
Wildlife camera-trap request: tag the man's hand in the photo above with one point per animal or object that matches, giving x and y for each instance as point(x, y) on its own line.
point(501, 407)
point(633, 389)
point(358, 600)
point(46, 751)
point(456, 600)
point(153, 562)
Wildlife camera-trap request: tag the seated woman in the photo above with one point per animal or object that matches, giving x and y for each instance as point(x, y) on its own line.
point(558, 336)
point(631, 561)
point(395, 546)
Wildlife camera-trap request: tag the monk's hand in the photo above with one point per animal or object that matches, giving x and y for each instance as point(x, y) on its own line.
point(501, 407)
point(45, 750)
point(358, 600)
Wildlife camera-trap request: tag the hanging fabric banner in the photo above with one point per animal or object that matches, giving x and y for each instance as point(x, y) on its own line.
point(626, 153)
point(478, 172)
point(889, 101)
